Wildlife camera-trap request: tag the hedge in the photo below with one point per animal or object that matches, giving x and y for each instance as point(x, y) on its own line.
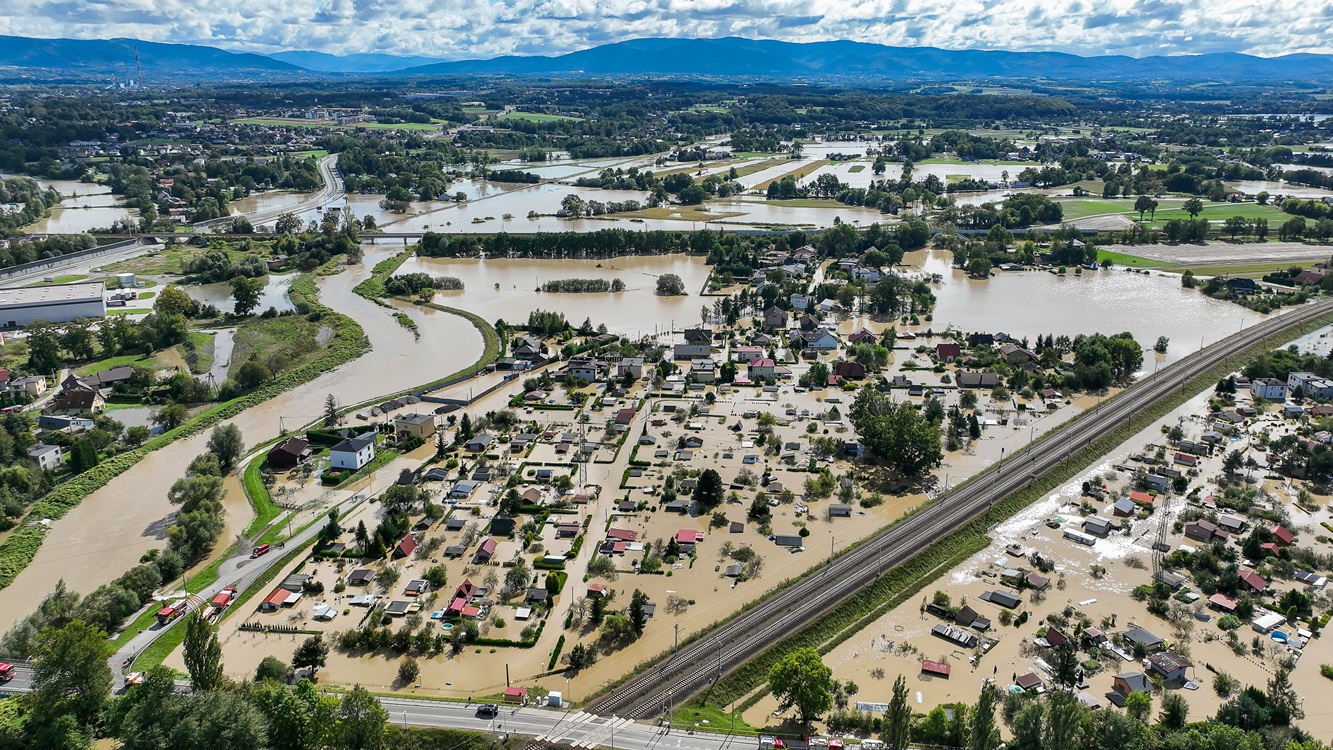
point(555, 654)
point(348, 343)
point(373, 287)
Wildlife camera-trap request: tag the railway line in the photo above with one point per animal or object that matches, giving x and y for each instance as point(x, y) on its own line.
point(713, 655)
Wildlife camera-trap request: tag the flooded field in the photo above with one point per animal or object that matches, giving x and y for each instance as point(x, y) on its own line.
point(108, 532)
point(84, 206)
point(274, 294)
point(635, 311)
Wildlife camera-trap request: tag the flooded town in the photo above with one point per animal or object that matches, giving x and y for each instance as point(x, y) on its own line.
point(473, 410)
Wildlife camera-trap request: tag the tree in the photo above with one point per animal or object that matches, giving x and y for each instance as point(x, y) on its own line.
point(408, 671)
point(170, 416)
point(330, 411)
point(1175, 712)
point(1193, 207)
point(272, 668)
point(897, 433)
point(361, 721)
point(518, 577)
point(71, 679)
point(203, 654)
point(670, 285)
point(287, 224)
point(982, 734)
point(136, 435)
point(227, 444)
point(1283, 702)
point(173, 301)
point(312, 654)
point(1143, 205)
point(802, 680)
point(1138, 704)
point(898, 719)
point(245, 291)
point(1162, 343)
point(708, 491)
point(638, 617)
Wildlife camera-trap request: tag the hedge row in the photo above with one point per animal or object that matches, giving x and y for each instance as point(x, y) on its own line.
point(348, 343)
point(555, 655)
point(373, 287)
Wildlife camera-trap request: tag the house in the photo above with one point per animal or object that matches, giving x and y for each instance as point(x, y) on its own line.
point(77, 403)
point(1185, 459)
point(745, 354)
point(353, 453)
point(801, 302)
point(762, 368)
point(536, 596)
point(1283, 536)
point(478, 443)
point(631, 367)
point(485, 551)
point(1002, 598)
point(703, 371)
point(1242, 286)
point(462, 490)
point(289, 453)
point(502, 526)
point(691, 351)
point(1204, 531)
point(968, 617)
point(935, 668)
point(584, 369)
point(849, 370)
point(1097, 525)
point(1055, 638)
point(978, 380)
point(839, 510)
point(516, 695)
point(1310, 385)
point(1171, 666)
point(32, 386)
point(527, 348)
point(1223, 603)
point(689, 537)
point(775, 319)
point(698, 335)
point(360, 577)
point(677, 506)
point(821, 340)
point(1231, 524)
point(1014, 354)
point(622, 535)
point(47, 456)
point(112, 376)
point(1266, 622)
point(1253, 580)
point(948, 352)
point(1138, 636)
point(416, 587)
point(57, 422)
point(1157, 482)
point(408, 426)
point(955, 636)
point(406, 547)
point(625, 416)
point(789, 540)
point(1269, 388)
point(1131, 682)
point(1124, 507)
point(1028, 682)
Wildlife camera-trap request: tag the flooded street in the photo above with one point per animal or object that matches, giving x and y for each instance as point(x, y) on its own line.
point(108, 532)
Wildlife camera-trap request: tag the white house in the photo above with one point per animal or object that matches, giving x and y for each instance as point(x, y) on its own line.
point(1269, 388)
point(1311, 385)
point(821, 340)
point(353, 453)
point(47, 456)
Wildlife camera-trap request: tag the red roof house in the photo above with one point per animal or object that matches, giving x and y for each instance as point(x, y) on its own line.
point(623, 535)
point(689, 536)
point(938, 668)
point(1282, 534)
point(515, 694)
point(625, 416)
point(405, 547)
point(948, 351)
point(1142, 498)
point(1254, 580)
point(1223, 602)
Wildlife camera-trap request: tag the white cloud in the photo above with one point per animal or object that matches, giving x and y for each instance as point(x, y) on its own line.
point(458, 29)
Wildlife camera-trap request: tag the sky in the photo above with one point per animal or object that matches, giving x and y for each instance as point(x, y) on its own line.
point(469, 29)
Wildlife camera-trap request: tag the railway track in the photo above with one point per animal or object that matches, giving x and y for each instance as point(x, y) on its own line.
point(708, 658)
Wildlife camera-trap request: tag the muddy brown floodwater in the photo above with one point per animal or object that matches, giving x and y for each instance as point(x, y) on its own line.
point(108, 532)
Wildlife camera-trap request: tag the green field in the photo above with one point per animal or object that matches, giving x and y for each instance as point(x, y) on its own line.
point(279, 122)
point(432, 126)
point(857, 168)
point(537, 117)
point(317, 153)
point(105, 364)
point(1219, 212)
point(1132, 261)
point(68, 279)
point(1078, 208)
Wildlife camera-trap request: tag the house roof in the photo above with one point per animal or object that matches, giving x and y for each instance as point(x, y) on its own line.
point(81, 400)
point(1140, 635)
point(1283, 534)
point(1253, 580)
point(1137, 682)
point(1168, 661)
point(354, 445)
point(414, 419)
point(293, 446)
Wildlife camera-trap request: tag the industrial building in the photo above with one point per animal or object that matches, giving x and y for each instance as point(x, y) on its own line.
point(57, 304)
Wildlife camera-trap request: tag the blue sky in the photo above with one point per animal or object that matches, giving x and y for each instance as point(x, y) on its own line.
point(458, 29)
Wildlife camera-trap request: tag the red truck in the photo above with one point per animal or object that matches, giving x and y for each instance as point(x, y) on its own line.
point(171, 613)
point(7, 671)
point(260, 550)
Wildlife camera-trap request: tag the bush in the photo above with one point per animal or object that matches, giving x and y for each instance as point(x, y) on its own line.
point(408, 671)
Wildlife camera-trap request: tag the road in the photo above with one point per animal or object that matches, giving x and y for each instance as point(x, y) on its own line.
point(709, 657)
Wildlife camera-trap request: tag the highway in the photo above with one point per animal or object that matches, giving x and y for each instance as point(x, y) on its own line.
point(330, 192)
point(709, 657)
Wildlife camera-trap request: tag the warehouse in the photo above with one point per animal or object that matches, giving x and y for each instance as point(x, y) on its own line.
point(57, 304)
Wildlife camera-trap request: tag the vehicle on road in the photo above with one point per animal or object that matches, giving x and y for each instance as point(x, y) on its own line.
point(173, 612)
point(7, 672)
point(260, 550)
point(488, 711)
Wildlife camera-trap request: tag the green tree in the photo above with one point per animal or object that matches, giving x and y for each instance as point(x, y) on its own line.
point(802, 680)
point(1144, 204)
point(638, 617)
point(203, 654)
point(331, 411)
point(71, 679)
point(1193, 207)
point(273, 668)
point(170, 416)
point(311, 654)
point(983, 735)
point(408, 671)
point(897, 433)
point(1138, 704)
point(173, 301)
point(708, 491)
point(245, 291)
point(227, 444)
point(1175, 712)
point(670, 285)
point(898, 719)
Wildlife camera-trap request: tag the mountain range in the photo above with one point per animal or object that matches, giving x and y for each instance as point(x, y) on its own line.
point(729, 57)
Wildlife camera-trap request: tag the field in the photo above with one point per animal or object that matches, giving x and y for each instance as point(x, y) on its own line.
point(800, 172)
point(278, 122)
point(283, 340)
point(1125, 259)
point(701, 213)
point(1219, 212)
point(537, 117)
point(66, 279)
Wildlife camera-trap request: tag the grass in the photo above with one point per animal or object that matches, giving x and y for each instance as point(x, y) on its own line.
point(431, 126)
point(688, 716)
point(203, 358)
point(804, 169)
point(666, 213)
point(759, 166)
point(283, 122)
point(807, 203)
point(130, 311)
point(1133, 261)
point(1079, 208)
point(856, 168)
point(1219, 212)
point(126, 360)
point(373, 287)
point(167, 261)
point(537, 117)
point(1249, 270)
point(317, 153)
point(289, 337)
point(57, 280)
point(260, 499)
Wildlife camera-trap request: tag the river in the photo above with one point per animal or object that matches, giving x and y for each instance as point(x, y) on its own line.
point(108, 532)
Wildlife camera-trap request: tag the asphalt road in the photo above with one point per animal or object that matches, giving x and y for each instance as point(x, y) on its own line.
point(706, 659)
point(330, 192)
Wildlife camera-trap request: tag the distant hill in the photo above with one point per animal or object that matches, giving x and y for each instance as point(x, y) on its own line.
point(733, 56)
point(110, 59)
point(360, 63)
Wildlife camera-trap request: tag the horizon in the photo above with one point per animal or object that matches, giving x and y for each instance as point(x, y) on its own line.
point(485, 29)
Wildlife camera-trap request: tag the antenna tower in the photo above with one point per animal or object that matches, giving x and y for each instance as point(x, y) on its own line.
point(138, 69)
